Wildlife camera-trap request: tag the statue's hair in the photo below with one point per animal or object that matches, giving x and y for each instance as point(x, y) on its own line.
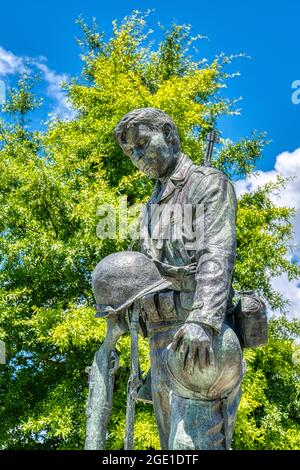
point(153, 118)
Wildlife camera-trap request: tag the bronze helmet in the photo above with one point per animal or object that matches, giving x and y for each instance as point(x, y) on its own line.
point(121, 278)
point(215, 380)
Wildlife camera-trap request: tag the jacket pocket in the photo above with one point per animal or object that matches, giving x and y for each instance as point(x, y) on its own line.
point(167, 307)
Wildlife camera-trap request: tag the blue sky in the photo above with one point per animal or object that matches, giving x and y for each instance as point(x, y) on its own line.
point(267, 31)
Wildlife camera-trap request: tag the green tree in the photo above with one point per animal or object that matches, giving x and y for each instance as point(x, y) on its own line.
point(51, 185)
point(268, 415)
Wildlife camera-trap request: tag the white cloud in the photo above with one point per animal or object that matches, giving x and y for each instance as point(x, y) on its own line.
point(10, 64)
point(2, 92)
point(287, 165)
point(54, 90)
point(291, 291)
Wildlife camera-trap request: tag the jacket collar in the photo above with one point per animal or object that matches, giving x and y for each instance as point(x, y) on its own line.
point(175, 180)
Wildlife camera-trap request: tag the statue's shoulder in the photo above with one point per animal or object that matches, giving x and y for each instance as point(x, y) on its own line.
point(198, 177)
point(205, 181)
point(208, 173)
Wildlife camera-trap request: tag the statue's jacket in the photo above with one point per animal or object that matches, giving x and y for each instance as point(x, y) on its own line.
point(188, 228)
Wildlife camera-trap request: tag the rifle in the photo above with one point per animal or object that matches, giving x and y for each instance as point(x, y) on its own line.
point(134, 381)
point(212, 138)
point(101, 385)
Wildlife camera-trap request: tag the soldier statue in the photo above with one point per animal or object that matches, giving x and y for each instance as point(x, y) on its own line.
point(187, 238)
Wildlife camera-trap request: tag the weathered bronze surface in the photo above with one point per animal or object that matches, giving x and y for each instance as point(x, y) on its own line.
point(188, 231)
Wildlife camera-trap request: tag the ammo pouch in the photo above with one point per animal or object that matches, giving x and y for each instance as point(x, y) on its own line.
point(249, 320)
point(159, 307)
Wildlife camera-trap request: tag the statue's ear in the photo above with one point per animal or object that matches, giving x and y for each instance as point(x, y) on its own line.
point(123, 135)
point(167, 131)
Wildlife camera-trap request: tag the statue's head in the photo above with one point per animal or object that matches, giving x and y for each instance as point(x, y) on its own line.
point(149, 137)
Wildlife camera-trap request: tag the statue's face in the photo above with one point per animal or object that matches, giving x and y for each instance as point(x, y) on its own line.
point(149, 150)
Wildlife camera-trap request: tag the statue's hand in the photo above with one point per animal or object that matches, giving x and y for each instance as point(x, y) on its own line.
point(193, 346)
point(116, 324)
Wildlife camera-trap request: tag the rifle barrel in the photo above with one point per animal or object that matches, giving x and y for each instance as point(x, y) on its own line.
point(133, 382)
point(212, 138)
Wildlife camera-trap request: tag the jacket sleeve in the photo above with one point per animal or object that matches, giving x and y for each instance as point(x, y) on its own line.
point(216, 254)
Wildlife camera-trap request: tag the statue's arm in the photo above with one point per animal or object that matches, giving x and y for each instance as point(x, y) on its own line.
point(216, 257)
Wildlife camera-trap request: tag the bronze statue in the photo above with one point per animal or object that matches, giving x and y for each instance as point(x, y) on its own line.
point(188, 231)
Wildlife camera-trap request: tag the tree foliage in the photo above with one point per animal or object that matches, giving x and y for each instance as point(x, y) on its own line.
point(51, 185)
point(268, 415)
